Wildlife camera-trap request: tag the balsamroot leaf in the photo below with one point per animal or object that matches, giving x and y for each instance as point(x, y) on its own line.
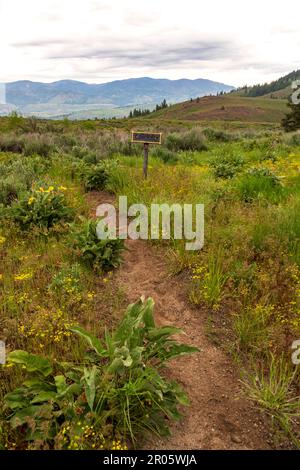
point(32, 362)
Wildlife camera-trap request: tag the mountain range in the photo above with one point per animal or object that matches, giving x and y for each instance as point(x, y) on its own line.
point(73, 98)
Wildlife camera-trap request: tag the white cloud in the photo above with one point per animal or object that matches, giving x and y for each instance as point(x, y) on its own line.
point(100, 40)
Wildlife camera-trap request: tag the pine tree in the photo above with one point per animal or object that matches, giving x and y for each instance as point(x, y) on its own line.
point(292, 120)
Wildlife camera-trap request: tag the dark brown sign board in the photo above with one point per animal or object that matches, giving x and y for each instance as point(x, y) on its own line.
point(146, 137)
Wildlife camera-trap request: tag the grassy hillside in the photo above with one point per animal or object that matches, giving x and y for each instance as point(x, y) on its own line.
point(227, 108)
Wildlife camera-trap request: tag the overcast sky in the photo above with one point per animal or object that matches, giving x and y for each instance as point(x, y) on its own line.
point(232, 41)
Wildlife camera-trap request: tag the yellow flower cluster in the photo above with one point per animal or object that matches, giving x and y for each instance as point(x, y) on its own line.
point(46, 327)
point(2, 240)
point(43, 190)
point(91, 295)
point(50, 189)
point(117, 445)
point(23, 276)
point(31, 200)
point(22, 298)
point(81, 437)
point(199, 272)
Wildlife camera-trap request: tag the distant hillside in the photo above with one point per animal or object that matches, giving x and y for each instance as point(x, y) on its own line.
point(228, 107)
point(36, 98)
point(280, 88)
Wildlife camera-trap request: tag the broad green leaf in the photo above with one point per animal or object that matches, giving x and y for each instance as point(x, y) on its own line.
point(157, 333)
point(90, 385)
point(148, 313)
point(72, 390)
point(32, 362)
point(91, 339)
point(116, 366)
point(16, 399)
point(133, 318)
point(60, 382)
point(43, 396)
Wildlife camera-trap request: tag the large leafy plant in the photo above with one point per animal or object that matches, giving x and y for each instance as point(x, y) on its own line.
point(96, 177)
point(43, 208)
point(117, 391)
point(227, 165)
point(103, 255)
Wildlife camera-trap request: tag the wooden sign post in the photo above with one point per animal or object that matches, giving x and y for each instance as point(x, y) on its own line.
point(146, 138)
point(145, 165)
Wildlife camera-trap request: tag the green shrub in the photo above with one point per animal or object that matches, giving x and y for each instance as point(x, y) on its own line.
point(17, 176)
point(98, 177)
point(293, 139)
point(29, 144)
point(217, 135)
point(11, 143)
point(95, 178)
point(260, 183)
point(38, 145)
point(42, 208)
point(103, 255)
point(227, 166)
point(86, 155)
point(190, 140)
point(115, 393)
point(126, 148)
point(167, 156)
point(10, 189)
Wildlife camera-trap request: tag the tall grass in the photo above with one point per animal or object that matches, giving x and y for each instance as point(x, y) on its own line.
point(272, 390)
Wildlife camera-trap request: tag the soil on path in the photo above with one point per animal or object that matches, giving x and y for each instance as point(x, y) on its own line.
point(219, 416)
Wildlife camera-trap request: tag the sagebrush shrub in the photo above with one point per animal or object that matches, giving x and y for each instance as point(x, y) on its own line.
point(217, 135)
point(189, 140)
point(164, 154)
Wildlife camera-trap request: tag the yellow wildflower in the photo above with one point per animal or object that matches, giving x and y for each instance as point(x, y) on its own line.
point(23, 277)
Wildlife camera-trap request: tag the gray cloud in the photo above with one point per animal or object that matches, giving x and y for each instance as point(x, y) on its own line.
point(43, 43)
point(149, 54)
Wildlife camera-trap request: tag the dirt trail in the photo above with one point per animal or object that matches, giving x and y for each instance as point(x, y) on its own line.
point(218, 416)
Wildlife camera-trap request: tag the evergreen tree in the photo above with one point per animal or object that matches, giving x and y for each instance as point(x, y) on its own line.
point(292, 120)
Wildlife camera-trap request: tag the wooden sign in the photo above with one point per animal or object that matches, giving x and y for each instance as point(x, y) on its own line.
point(146, 137)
